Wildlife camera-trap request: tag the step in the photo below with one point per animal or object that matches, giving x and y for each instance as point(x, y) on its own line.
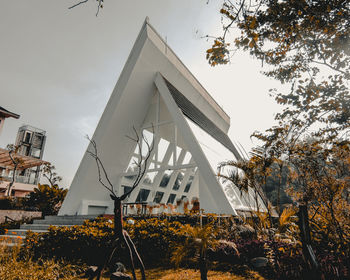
point(22, 232)
point(58, 222)
point(13, 238)
point(41, 226)
point(8, 244)
point(70, 217)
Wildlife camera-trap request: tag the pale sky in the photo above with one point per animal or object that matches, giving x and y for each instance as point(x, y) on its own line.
point(58, 67)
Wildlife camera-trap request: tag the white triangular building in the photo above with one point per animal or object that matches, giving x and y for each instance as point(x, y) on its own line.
point(159, 96)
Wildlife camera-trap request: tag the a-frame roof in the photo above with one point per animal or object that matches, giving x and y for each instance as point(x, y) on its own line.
point(151, 66)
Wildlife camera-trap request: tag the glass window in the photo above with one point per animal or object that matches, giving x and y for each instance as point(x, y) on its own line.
point(171, 198)
point(36, 152)
point(27, 137)
point(166, 178)
point(189, 183)
point(37, 140)
point(178, 181)
point(158, 197)
point(143, 195)
point(149, 178)
point(126, 189)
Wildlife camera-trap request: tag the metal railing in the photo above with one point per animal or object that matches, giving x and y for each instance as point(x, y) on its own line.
point(8, 218)
point(20, 179)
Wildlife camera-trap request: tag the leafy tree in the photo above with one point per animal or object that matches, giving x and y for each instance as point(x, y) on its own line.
point(304, 43)
point(320, 179)
point(249, 174)
point(46, 199)
point(198, 241)
point(49, 174)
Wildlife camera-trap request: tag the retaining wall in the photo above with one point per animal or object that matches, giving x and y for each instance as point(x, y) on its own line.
point(18, 214)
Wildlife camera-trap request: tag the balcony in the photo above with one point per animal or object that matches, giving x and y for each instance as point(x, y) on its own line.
point(20, 179)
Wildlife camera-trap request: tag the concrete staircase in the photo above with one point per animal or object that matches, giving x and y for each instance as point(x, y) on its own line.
point(15, 236)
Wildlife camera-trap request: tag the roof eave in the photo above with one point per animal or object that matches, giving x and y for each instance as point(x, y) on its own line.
point(8, 114)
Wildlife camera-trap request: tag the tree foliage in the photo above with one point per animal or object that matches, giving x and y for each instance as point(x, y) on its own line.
point(50, 174)
point(47, 199)
point(302, 42)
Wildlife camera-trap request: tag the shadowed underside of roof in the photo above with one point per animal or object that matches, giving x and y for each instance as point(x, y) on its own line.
point(6, 113)
point(25, 161)
point(195, 115)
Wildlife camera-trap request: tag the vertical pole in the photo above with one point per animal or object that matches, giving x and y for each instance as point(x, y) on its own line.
point(175, 144)
point(310, 258)
point(157, 127)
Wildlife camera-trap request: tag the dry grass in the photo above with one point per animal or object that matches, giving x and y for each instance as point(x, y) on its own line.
point(13, 268)
point(190, 274)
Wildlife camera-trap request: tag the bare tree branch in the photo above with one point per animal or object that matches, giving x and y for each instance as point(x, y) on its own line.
point(100, 166)
point(100, 5)
point(142, 167)
point(81, 2)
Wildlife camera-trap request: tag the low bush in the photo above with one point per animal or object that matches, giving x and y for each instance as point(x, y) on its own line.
point(14, 268)
point(46, 199)
point(156, 240)
point(13, 203)
point(92, 241)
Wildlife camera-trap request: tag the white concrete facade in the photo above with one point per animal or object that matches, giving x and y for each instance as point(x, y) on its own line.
point(144, 97)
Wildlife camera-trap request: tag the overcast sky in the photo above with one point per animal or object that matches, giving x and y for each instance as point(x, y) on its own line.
point(58, 67)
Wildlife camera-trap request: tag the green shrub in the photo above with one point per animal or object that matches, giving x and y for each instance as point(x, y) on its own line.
point(91, 242)
point(46, 199)
point(12, 203)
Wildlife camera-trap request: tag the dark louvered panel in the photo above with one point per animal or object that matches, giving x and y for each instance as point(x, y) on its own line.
point(197, 116)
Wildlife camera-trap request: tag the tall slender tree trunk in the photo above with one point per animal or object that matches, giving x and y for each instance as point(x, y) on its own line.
point(8, 192)
point(203, 269)
point(308, 253)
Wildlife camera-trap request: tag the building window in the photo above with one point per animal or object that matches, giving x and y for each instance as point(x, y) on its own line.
point(143, 195)
point(27, 137)
point(158, 197)
point(166, 178)
point(178, 181)
point(38, 140)
point(126, 189)
point(171, 198)
point(36, 152)
point(188, 185)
